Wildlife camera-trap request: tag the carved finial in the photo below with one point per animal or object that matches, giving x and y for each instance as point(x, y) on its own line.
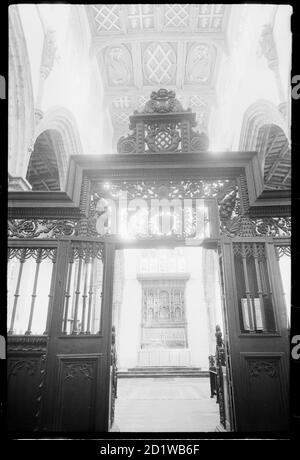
point(163, 126)
point(162, 101)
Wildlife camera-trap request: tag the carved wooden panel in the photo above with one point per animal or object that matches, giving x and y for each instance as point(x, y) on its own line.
point(78, 376)
point(25, 373)
point(264, 384)
point(259, 360)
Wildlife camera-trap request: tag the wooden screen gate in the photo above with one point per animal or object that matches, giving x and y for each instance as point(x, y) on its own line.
point(61, 373)
point(60, 355)
point(59, 361)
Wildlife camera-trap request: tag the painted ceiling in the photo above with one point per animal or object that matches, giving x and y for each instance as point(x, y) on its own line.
point(141, 48)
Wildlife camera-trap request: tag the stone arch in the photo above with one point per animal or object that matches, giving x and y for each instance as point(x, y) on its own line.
point(61, 121)
point(261, 113)
point(258, 114)
point(274, 149)
point(20, 99)
point(43, 173)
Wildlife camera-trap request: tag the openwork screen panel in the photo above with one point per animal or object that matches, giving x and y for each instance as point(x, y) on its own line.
point(253, 288)
point(162, 125)
point(29, 289)
point(283, 252)
point(163, 137)
point(159, 208)
point(83, 293)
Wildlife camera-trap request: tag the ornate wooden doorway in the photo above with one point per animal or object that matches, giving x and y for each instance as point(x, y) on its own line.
point(162, 186)
point(166, 305)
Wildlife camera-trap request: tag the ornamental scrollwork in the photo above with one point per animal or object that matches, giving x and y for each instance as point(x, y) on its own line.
point(106, 194)
point(41, 228)
point(243, 225)
point(163, 126)
point(15, 365)
point(169, 189)
point(162, 137)
point(259, 367)
point(76, 369)
point(127, 144)
point(199, 141)
point(162, 101)
point(273, 226)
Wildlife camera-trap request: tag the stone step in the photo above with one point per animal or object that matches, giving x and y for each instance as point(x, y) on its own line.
point(163, 372)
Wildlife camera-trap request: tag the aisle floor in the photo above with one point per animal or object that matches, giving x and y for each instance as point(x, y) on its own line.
point(165, 405)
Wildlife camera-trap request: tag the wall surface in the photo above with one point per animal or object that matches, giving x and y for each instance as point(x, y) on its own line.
point(201, 309)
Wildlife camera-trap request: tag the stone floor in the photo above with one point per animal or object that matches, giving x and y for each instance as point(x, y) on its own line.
point(165, 405)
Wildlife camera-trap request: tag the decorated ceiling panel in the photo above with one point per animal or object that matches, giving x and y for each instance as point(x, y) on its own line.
point(139, 49)
point(128, 18)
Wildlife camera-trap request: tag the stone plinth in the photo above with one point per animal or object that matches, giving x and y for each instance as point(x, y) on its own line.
point(164, 357)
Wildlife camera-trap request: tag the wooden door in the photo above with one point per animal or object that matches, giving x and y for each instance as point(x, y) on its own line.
point(77, 385)
point(256, 334)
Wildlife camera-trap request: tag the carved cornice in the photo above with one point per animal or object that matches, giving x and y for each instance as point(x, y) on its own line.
point(161, 166)
point(41, 228)
point(29, 204)
point(27, 344)
point(270, 211)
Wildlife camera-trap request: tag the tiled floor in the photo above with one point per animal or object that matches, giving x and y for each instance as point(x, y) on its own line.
point(165, 405)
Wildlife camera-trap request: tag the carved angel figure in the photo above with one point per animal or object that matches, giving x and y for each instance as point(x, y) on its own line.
point(118, 66)
point(199, 64)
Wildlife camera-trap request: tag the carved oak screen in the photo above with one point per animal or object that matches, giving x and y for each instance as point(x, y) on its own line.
point(163, 126)
point(159, 208)
point(52, 360)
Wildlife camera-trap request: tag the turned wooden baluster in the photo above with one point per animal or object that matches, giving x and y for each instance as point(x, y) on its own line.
point(34, 290)
point(17, 292)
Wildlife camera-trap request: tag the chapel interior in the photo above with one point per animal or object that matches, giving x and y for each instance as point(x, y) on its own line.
point(155, 330)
